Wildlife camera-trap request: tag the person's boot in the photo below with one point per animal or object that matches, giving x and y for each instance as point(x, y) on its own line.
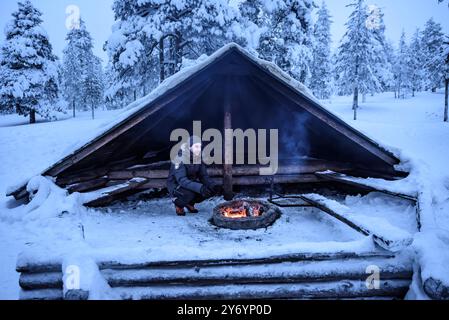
point(180, 211)
point(192, 209)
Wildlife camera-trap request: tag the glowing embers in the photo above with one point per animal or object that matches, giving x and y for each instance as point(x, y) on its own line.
point(245, 215)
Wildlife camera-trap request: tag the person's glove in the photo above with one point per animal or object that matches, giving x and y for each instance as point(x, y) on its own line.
point(206, 192)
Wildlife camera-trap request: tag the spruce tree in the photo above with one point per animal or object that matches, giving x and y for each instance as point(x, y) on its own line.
point(402, 68)
point(153, 38)
point(355, 70)
point(416, 61)
point(289, 38)
point(321, 80)
point(28, 68)
point(382, 63)
point(432, 42)
point(82, 71)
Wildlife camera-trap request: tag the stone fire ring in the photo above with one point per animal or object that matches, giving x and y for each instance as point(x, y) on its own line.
point(268, 218)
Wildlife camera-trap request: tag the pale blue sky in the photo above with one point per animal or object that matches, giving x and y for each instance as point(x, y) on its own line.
point(399, 15)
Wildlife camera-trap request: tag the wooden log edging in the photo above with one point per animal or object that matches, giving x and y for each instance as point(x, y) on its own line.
point(260, 274)
point(309, 257)
point(386, 241)
point(345, 179)
point(285, 272)
point(392, 289)
point(435, 289)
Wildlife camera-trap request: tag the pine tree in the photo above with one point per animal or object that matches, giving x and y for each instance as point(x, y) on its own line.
point(28, 69)
point(82, 71)
point(321, 79)
point(402, 68)
point(432, 41)
point(355, 60)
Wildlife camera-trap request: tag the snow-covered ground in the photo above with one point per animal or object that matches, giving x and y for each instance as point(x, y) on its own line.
point(412, 128)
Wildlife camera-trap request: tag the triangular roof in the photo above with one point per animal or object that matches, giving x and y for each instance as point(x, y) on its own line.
point(229, 60)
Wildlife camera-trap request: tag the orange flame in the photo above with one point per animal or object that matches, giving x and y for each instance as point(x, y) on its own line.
point(242, 210)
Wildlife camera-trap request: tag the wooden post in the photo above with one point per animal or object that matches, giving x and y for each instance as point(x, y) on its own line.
point(161, 60)
point(356, 102)
point(446, 101)
point(228, 145)
point(32, 116)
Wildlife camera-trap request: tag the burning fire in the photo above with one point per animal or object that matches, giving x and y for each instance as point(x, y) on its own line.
point(242, 210)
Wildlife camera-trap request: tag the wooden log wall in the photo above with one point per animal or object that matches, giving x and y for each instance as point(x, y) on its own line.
point(295, 276)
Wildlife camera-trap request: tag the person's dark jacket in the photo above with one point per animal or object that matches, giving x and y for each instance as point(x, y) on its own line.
point(188, 176)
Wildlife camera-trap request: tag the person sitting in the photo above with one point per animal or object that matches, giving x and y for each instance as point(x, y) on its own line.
point(188, 181)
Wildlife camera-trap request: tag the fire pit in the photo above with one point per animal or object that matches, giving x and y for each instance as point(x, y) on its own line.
point(245, 215)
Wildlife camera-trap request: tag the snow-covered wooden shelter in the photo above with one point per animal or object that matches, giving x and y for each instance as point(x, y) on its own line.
point(230, 89)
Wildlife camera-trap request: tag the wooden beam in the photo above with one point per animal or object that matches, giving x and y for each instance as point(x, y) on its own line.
point(28, 266)
point(204, 263)
point(350, 181)
point(385, 235)
point(105, 196)
point(228, 144)
point(243, 181)
point(285, 272)
point(154, 171)
point(319, 290)
point(88, 185)
point(94, 173)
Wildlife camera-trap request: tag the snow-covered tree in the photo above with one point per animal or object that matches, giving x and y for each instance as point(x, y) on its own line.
point(382, 64)
point(28, 69)
point(151, 38)
point(131, 53)
point(416, 61)
point(255, 25)
point(355, 72)
point(322, 68)
point(288, 40)
point(432, 42)
point(82, 74)
point(402, 68)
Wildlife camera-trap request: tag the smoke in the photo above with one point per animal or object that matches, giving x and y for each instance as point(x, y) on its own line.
point(294, 136)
